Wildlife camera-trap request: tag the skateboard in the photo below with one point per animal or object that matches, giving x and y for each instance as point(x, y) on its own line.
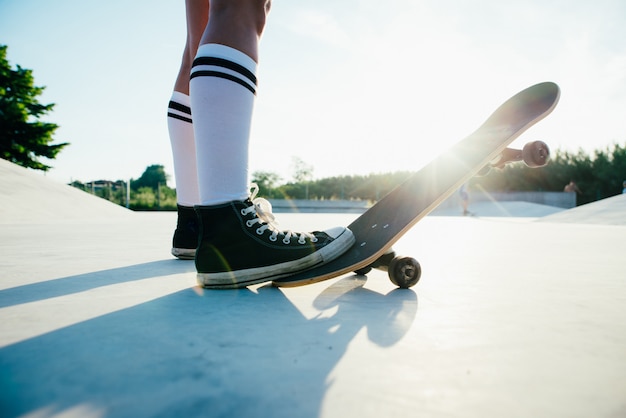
point(377, 229)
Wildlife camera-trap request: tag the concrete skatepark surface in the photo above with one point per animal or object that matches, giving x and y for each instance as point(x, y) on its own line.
point(513, 317)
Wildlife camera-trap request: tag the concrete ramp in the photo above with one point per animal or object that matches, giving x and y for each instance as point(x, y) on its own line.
point(610, 211)
point(29, 196)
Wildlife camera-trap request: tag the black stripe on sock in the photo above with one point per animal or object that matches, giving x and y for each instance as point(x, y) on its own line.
point(179, 117)
point(220, 62)
point(181, 108)
point(223, 75)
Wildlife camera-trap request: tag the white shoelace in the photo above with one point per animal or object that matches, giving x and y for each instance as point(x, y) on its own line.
point(265, 218)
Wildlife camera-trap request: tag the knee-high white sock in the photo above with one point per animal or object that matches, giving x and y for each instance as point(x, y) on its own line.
point(180, 128)
point(222, 90)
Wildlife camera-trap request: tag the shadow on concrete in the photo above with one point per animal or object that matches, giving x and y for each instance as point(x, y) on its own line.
point(201, 353)
point(82, 282)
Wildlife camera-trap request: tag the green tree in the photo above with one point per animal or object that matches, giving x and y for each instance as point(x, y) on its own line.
point(23, 136)
point(302, 172)
point(166, 198)
point(144, 199)
point(598, 175)
point(267, 182)
point(153, 177)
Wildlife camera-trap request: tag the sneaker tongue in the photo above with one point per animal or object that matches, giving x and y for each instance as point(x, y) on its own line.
point(263, 210)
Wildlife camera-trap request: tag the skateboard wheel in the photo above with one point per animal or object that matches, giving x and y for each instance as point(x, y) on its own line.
point(536, 154)
point(363, 271)
point(404, 272)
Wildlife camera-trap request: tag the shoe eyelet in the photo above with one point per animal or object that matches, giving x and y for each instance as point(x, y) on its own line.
point(314, 239)
point(249, 224)
point(260, 231)
point(273, 238)
point(302, 241)
point(286, 241)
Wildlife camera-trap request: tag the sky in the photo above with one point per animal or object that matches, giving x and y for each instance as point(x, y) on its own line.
point(349, 87)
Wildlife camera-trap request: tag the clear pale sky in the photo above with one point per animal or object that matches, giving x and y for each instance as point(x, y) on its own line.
point(348, 86)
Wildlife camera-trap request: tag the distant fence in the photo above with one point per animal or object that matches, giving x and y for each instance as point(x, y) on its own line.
point(556, 199)
point(319, 206)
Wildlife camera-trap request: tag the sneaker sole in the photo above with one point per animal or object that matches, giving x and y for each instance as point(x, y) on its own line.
point(184, 253)
point(247, 277)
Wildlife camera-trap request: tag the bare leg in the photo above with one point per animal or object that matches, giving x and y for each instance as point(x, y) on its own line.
point(237, 24)
point(181, 134)
point(222, 90)
point(197, 12)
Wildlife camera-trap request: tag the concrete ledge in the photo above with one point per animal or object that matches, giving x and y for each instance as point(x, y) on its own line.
point(515, 204)
point(318, 206)
point(556, 199)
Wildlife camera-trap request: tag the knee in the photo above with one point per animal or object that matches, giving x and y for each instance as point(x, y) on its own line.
point(252, 13)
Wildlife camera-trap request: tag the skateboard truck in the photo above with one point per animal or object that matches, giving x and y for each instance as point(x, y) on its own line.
point(534, 154)
point(404, 272)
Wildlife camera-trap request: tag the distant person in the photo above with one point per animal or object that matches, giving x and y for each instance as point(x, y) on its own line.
point(232, 236)
point(571, 187)
point(464, 194)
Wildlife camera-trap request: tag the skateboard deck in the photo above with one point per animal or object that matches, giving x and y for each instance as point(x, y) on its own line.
point(390, 218)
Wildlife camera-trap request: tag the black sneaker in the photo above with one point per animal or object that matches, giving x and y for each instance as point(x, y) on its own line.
point(241, 245)
point(185, 238)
